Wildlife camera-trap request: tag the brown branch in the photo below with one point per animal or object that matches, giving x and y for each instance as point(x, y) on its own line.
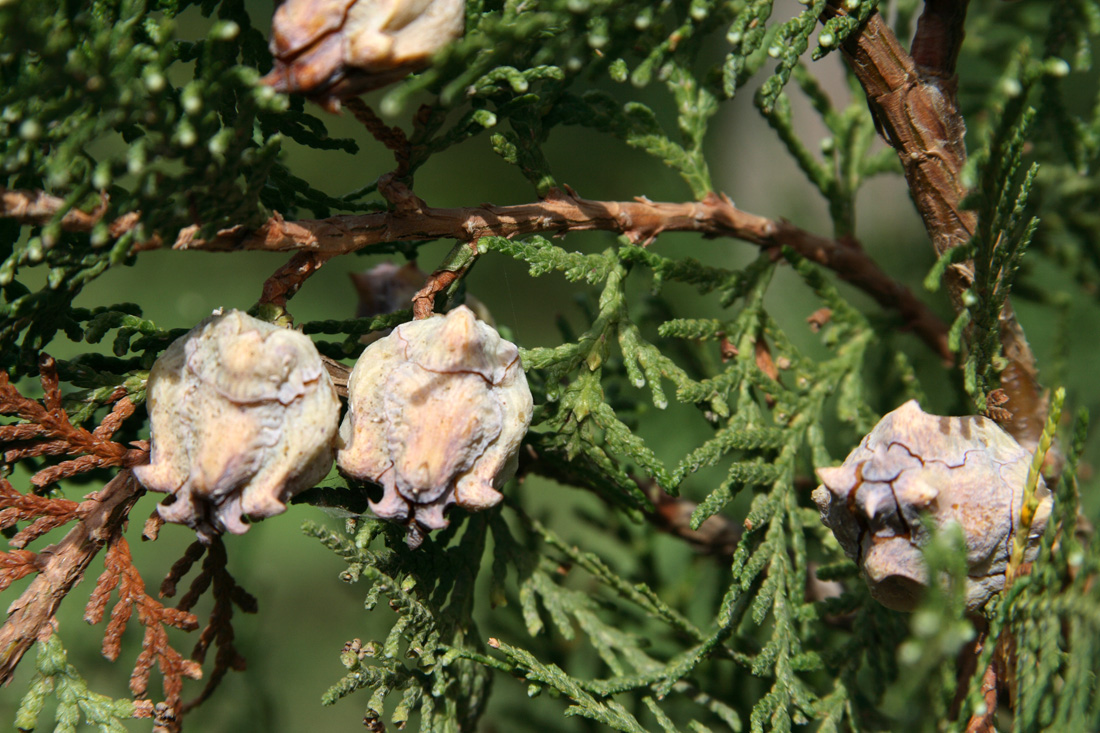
point(560, 212)
point(983, 722)
point(393, 138)
point(917, 114)
point(923, 124)
point(717, 535)
point(285, 282)
point(939, 36)
point(61, 567)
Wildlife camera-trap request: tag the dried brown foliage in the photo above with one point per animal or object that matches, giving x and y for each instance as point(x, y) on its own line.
point(100, 520)
point(47, 431)
point(119, 573)
point(219, 629)
point(15, 565)
point(46, 513)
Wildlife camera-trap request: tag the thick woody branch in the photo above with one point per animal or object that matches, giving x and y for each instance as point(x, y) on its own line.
point(939, 36)
point(917, 113)
point(919, 118)
point(560, 212)
point(62, 567)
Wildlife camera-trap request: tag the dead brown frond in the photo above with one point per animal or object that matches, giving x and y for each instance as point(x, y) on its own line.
point(46, 513)
point(100, 518)
point(15, 565)
point(219, 629)
point(393, 138)
point(119, 573)
point(47, 431)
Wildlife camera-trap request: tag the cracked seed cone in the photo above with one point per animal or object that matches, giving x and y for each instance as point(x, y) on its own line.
point(436, 413)
point(965, 470)
point(335, 49)
point(242, 416)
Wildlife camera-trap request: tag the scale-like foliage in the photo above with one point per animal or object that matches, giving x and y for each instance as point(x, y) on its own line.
point(693, 397)
point(54, 675)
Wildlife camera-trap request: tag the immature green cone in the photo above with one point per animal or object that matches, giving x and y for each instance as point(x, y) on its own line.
point(965, 470)
point(436, 413)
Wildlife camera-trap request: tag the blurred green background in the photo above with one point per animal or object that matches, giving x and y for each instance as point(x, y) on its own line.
point(306, 613)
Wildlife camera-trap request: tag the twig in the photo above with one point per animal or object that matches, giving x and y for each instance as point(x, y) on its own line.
point(445, 278)
point(392, 137)
point(560, 212)
point(61, 567)
point(983, 722)
point(717, 535)
point(424, 300)
point(285, 282)
point(917, 114)
point(38, 207)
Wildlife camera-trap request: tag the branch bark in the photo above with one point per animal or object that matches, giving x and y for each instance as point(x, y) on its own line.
point(562, 211)
point(917, 113)
point(62, 567)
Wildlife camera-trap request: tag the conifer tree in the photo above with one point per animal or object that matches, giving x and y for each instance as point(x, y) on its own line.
point(659, 562)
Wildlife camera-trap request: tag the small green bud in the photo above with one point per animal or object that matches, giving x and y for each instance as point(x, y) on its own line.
point(35, 250)
point(485, 118)
point(225, 31)
point(30, 130)
point(135, 159)
point(619, 71)
point(191, 99)
point(154, 80)
point(925, 624)
point(185, 134)
point(100, 235)
point(1057, 68)
point(101, 177)
point(220, 142)
point(1011, 88)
